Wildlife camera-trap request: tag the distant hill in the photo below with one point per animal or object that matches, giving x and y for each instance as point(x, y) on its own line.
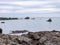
point(4, 18)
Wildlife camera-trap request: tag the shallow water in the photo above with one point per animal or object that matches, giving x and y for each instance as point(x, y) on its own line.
point(37, 24)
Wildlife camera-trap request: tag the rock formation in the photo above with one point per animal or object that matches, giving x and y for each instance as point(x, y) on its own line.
point(32, 38)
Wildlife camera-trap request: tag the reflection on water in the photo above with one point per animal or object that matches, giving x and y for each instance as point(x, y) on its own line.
point(39, 24)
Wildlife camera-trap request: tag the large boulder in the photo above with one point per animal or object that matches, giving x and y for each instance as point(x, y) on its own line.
point(33, 36)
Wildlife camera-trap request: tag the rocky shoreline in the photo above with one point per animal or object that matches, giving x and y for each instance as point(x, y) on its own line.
point(32, 38)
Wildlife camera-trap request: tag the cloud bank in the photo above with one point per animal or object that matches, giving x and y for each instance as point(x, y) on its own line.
point(29, 7)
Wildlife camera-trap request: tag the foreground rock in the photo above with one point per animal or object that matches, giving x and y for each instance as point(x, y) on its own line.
point(32, 38)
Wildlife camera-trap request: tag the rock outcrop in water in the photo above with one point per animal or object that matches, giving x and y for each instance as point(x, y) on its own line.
point(5, 18)
point(32, 38)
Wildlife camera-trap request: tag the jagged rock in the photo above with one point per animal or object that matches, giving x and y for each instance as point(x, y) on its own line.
point(49, 43)
point(24, 39)
point(43, 39)
point(33, 35)
point(32, 38)
point(2, 44)
point(13, 43)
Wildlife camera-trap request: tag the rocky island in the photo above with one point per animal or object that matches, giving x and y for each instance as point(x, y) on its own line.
point(5, 18)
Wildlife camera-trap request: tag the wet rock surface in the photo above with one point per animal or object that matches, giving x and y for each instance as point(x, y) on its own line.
point(32, 38)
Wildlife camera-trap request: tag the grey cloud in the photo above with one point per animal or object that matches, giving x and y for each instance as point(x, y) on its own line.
point(30, 0)
point(9, 5)
point(40, 6)
point(54, 4)
point(57, 5)
point(22, 0)
point(30, 14)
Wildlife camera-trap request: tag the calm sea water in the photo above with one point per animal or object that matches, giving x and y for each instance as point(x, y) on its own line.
point(37, 24)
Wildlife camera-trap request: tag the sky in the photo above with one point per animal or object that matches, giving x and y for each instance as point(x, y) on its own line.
point(33, 8)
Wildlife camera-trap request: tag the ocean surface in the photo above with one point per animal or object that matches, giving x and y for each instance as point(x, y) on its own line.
point(37, 24)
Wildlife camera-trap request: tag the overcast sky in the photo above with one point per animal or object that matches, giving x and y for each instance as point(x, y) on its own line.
point(41, 8)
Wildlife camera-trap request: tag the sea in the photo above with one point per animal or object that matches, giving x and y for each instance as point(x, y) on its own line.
point(33, 24)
